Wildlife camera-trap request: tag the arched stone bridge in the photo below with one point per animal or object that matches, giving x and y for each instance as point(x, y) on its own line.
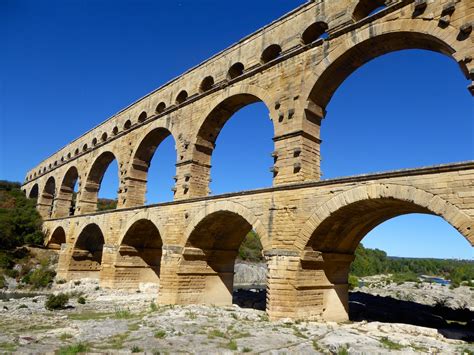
point(309, 227)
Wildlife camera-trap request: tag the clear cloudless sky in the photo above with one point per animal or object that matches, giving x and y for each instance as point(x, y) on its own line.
point(68, 65)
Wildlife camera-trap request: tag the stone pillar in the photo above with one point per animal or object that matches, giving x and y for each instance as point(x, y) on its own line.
point(297, 145)
point(65, 255)
point(192, 179)
point(169, 278)
point(135, 191)
point(87, 203)
point(107, 270)
point(322, 286)
point(282, 299)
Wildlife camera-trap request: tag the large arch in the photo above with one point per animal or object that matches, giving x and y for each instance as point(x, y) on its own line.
point(224, 107)
point(46, 198)
point(211, 250)
point(330, 236)
point(346, 218)
point(138, 259)
point(86, 258)
point(57, 238)
point(137, 178)
point(90, 190)
point(65, 204)
point(370, 43)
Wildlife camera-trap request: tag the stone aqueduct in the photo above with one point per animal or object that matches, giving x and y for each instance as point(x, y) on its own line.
point(309, 227)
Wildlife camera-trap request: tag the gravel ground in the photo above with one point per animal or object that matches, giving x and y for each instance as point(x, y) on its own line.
point(121, 322)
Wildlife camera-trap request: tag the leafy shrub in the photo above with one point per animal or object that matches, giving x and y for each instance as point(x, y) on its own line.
point(251, 248)
point(38, 278)
point(353, 282)
point(136, 349)
point(58, 301)
point(160, 334)
point(3, 283)
point(81, 300)
point(12, 273)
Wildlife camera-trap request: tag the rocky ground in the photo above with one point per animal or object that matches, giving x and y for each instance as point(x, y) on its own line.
point(120, 322)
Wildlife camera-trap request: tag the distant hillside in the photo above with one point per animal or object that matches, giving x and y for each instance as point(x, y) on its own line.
point(374, 261)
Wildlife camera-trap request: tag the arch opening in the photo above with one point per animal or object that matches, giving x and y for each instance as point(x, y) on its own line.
point(245, 136)
point(138, 259)
point(150, 185)
point(206, 84)
point(314, 32)
point(67, 196)
point(355, 79)
point(182, 97)
point(34, 192)
point(235, 71)
point(142, 117)
point(57, 238)
point(332, 246)
point(101, 186)
point(86, 257)
point(47, 198)
point(270, 53)
point(160, 107)
point(366, 8)
point(218, 246)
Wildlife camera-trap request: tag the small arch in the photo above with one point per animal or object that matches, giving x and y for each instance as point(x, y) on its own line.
point(103, 137)
point(84, 147)
point(76, 152)
point(87, 253)
point(182, 97)
point(66, 196)
point(115, 131)
point(34, 192)
point(314, 32)
point(235, 70)
point(62, 159)
point(57, 238)
point(89, 193)
point(141, 163)
point(270, 53)
point(138, 259)
point(206, 84)
point(46, 200)
point(94, 142)
point(127, 125)
point(215, 242)
point(160, 107)
point(366, 8)
point(69, 155)
point(142, 117)
point(55, 163)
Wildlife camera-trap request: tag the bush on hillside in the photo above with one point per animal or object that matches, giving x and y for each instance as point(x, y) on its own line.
point(20, 223)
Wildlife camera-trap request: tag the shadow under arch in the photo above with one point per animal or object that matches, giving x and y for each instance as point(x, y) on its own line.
point(90, 190)
point(57, 238)
point(137, 178)
point(345, 61)
point(65, 202)
point(138, 259)
point(343, 221)
point(86, 258)
point(210, 252)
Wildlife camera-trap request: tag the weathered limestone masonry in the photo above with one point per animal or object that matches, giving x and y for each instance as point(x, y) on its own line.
point(309, 228)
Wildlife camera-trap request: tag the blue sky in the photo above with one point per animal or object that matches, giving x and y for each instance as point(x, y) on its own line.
point(68, 65)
